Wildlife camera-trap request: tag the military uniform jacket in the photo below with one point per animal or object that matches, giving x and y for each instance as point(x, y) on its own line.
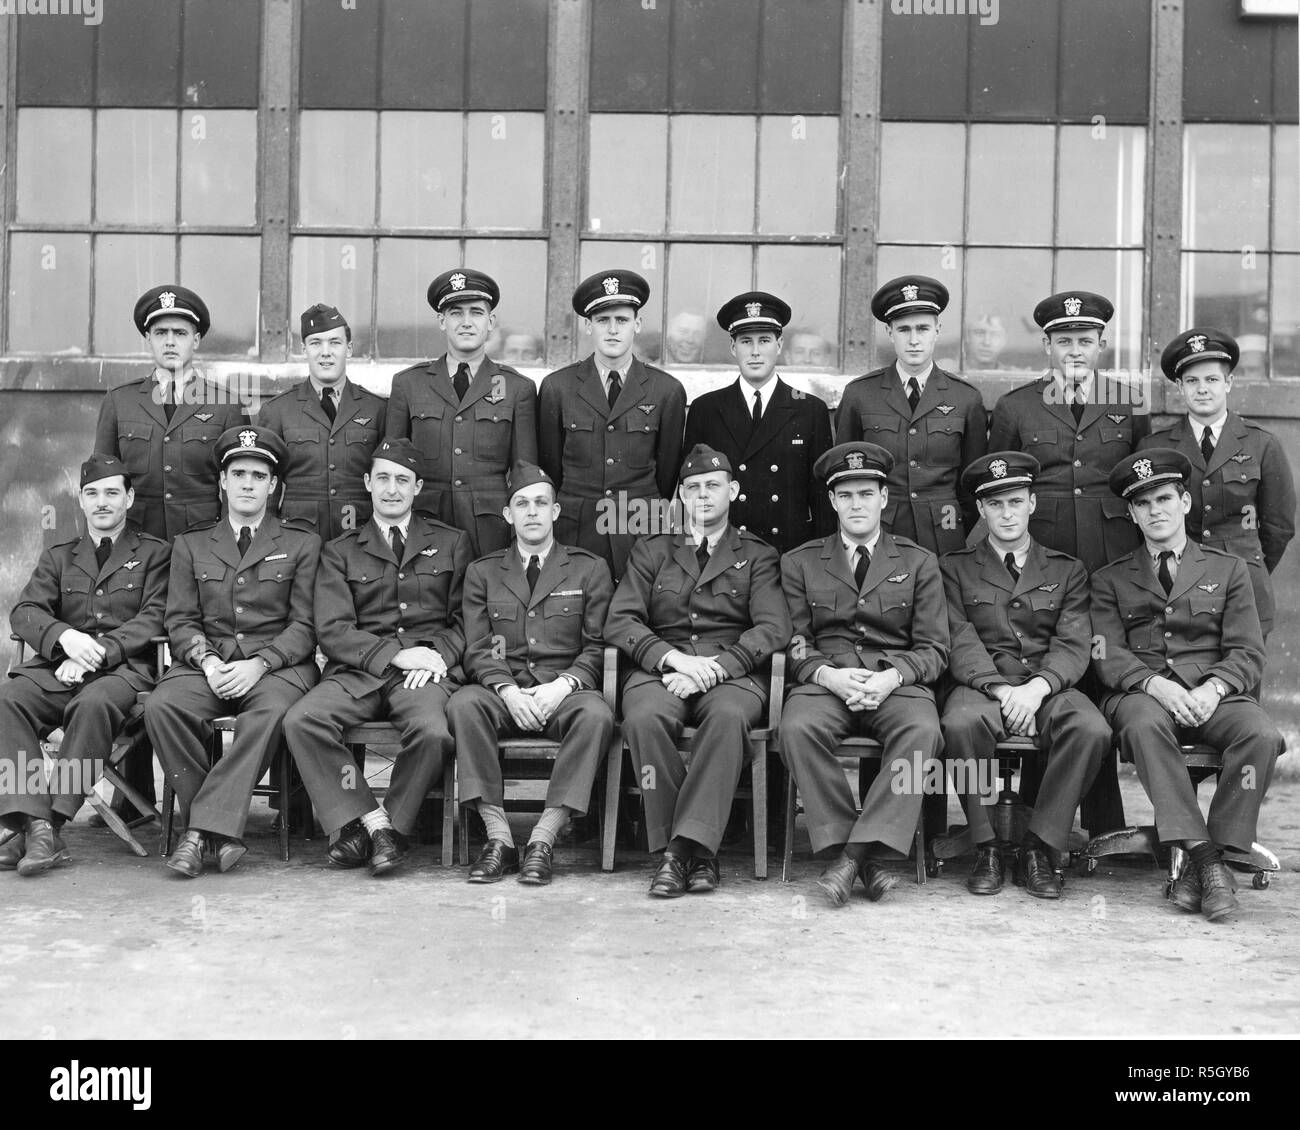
point(1244, 501)
point(369, 605)
point(1076, 512)
point(732, 610)
point(120, 605)
point(467, 446)
point(523, 639)
point(1206, 626)
point(1006, 631)
point(171, 465)
point(899, 619)
point(238, 607)
point(323, 484)
point(780, 497)
point(930, 446)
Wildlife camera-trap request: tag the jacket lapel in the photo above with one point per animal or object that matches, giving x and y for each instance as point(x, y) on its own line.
point(725, 555)
point(484, 384)
point(150, 402)
point(884, 562)
point(440, 380)
point(222, 542)
point(512, 574)
point(268, 533)
point(1190, 570)
point(630, 394)
point(1142, 572)
point(778, 410)
point(311, 406)
point(373, 542)
point(992, 570)
point(895, 394)
point(1033, 574)
point(736, 416)
point(127, 544)
point(836, 562)
point(1054, 401)
point(1230, 443)
point(589, 388)
point(84, 555)
point(554, 569)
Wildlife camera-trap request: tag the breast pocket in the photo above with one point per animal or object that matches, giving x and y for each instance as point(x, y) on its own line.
point(74, 598)
point(492, 427)
point(1116, 440)
point(275, 572)
point(434, 582)
point(821, 604)
point(1240, 486)
point(733, 583)
point(563, 616)
point(1138, 624)
point(133, 445)
point(943, 439)
point(1205, 604)
point(426, 428)
point(209, 572)
point(1044, 604)
point(881, 430)
point(896, 604)
point(123, 595)
point(1040, 440)
point(579, 441)
point(196, 448)
point(642, 433)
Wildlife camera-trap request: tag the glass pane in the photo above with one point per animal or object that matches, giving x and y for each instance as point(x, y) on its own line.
point(125, 267)
point(221, 41)
point(1286, 188)
point(1003, 285)
point(808, 278)
point(701, 277)
point(139, 54)
point(619, 197)
point(1117, 275)
point(223, 267)
point(219, 167)
point(942, 263)
point(1010, 184)
point(422, 55)
point(507, 55)
point(340, 45)
point(713, 55)
point(1286, 318)
point(798, 174)
point(712, 174)
point(335, 142)
point(49, 301)
point(53, 166)
point(407, 326)
point(421, 169)
point(1225, 186)
point(629, 56)
point(135, 167)
point(922, 179)
point(340, 272)
point(799, 64)
point(1099, 191)
point(519, 267)
point(55, 62)
point(507, 156)
point(1014, 59)
point(647, 260)
point(1226, 291)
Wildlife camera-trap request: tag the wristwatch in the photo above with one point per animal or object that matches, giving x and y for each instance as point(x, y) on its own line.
point(1219, 686)
point(265, 662)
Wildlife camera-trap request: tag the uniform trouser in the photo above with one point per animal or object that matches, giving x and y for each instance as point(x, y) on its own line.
point(486, 528)
point(178, 715)
point(1246, 737)
point(815, 721)
point(582, 724)
point(693, 803)
point(588, 524)
point(91, 715)
point(1071, 733)
point(314, 729)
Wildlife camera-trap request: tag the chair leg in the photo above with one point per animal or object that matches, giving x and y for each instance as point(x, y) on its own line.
point(758, 771)
point(448, 811)
point(1178, 859)
point(286, 768)
point(613, 783)
point(791, 799)
point(168, 808)
point(113, 821)
point(918, 841)
point(119, 783)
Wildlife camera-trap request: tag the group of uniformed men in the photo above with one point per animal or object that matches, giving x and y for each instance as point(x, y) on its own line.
point(462, 552)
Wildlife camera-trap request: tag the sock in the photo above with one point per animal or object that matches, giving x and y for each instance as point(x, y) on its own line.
point(857, 853)
point(681, 847)
point(549, 826)
point(494, 819)
point(1203, 853)
point(375, 820)
point(58, 821)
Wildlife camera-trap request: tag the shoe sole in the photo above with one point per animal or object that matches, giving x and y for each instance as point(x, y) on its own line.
point(1182, 904)
point(666, 894)
point(1043, 894)
point(28, 869)
point(530, 880)
point(385, 867)
point(230, 859)
point(171, 866)
point(1222, 912)
point(700, 888)
point(880, 890)
point(345, 864)
point(484, 879)
point(833, 894)
point(994, 891)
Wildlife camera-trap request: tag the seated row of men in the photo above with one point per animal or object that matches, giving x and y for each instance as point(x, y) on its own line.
point(935, 658)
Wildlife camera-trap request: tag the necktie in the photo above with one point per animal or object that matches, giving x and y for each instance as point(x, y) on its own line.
point(102, 551)
point(1009, 560)
point(913, 392)
point(860, 569)
point(702, 554)
point(1165, 577)
point(615, 387)
point(1207, 444)
point(758, 406)
point(169, 399)
point(532, 572)
point(1076, 404)
point(327, 404)
point(460, 382)
point(245, 540)
point(397, 541)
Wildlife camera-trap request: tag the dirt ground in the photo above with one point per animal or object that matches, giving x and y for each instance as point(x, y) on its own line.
point(115, 946)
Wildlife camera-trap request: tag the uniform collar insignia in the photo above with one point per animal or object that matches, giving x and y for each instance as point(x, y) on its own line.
point(946, 408)
point(899, 578)
point(130, 564)
point(1208, 588)
point(204, 416)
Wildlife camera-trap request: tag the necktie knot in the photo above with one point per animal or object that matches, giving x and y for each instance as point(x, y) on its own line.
point(913, 392)
point(397, 541)
point(758, 406)
point(533, 572)
point(862, 565)
point(1009, 560)
point(1163, 572)
point(615, 386)
point(245, 539)
point(327, 403)
point(702, 554)
point(102, 550)
point(1076, 401)
point(461, 380)
point(1207, 444)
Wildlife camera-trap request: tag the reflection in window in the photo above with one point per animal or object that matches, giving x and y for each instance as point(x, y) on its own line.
point(1286, 188)
point(421, 173)
point(1003, 285)
point(798, 183)
point(125, 267)
point(1225, 187)
point(944, 264)
point(712, 168)
point(808, 278)
point(923, 171)
point(647, 260)
point(519, 267)
point(506, 160)
point(621, 148)
point(339, 272)
point(49, 302)
point(1100, 197)
point(135, 167)
point(407, 325)
point(1226, 291)
point(701, 277)
point(1010, 184)
point(1284, 331)
point(221, 268)
point(218, 167)
point(54, 179)
point(336, 184)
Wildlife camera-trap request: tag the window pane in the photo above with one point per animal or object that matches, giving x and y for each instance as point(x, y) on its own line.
point(135, 167)
point(514, 32)
point(922, 178)
point(421, 170)
point(219, 167)
point(55, 62)
point(1286, 318)
point(629, 56)
point(1013, 62)
point(808, 278)
point(647, 260)
point(799, 69)
point(337, 271)
point(1225, 63)
point(923, 66)
point(224, 267)
point(506, 160)
point(701, 277)
point(944, 264)
point(1099, 190)
point(714, 55)
point(1010, 184)
point(1003, 285)
point(221, 52)
point(335, 143)
point(54, 166)
point(798, 174)
point(139, 54)
point(340, 46)
point(1117, 275)
point(1227, 292)
point(1225, 186)
point(622, 146)
point(519, 267)
point(1286, 188)
point(407, 326)
point(422, 55)
point(125, 267)
point(1118, 31)
point(49, 301)
point(712, 174)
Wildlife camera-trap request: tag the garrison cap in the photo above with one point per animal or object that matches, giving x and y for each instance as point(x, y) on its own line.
point(703, 459)
point(103, 467)
point(524, 475)
point(754, 310)
point(610, 288)
point(1198, 345)
point(1151, 467)
point(1073, 309)
point(400, 451)
point(999, 471)
point(857, 460)
point(252, 442)
point(909, 294)
point(462, 285)
point(321, 318)
point(171, 300)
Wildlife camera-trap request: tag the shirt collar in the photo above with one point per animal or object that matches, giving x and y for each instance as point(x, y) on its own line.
point(541, 556)
point(919, 379)
point(851, 547)
point(335, 390)
point(1021, 555)
point(237, 526)
point(713, 538)
point(1179, 550)
point(384, 527)
point(606, 373)
point(765, 391)
point(1215, 426)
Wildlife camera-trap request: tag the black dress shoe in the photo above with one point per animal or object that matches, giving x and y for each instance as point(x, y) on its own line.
point(45, 848)
point(1217, 899)
point(494, 863)
point(1034, 873)
point(877, 880)
point(838, 879)
point(387, 849)
point(352, 848)
point(535, 871)
point(229, 852)
point(187, 859)
point(988, 874)
point(670, 879)
point(11, 851)
point(1186, 891)
point(702, 875)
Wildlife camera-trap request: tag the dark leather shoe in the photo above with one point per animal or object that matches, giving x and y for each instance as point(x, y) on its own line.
point(11, 851)
point(387, 850)
point(352, 848)
point(1217, 899)
point(670, 879)
point(187, 858)
point(877, 880)
point(535, 871)
point(45, 849)
point(1034, 873)
point(229, 853)
point(1186, 891)
point(494, 862)
point(703, 875)
point(838, 879)
point(987, 875)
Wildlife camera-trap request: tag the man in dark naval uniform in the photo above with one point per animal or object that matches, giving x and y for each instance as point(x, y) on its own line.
point(468, 416)
point(771, 434)
point(1243, 493)
point(931, 422)
point(330, 427)
point(609, 429)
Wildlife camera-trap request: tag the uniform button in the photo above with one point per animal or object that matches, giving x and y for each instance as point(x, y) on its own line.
point(240, 581)
point(1208, 506)
point(1077, 490)
point(610, 462)
point(532, 614)
point(331, 441)
point(169, 467)
point(695, 615)
point(400, 577)
point(913, 463)
point(99, 615)
point(911, 431)
point(699, 588)
point(532, 639)
point(775, 530)
point(402, 605)
point(776, 498)
point(1079, 436)
point(531, 663)
point(695, 639)
point(460, 419)
point(99, 592)
point(167, 439)
point(740, 498)
point(1015, 604)
point(168, 495)
point(608, 493)
point(1019, 635)
point(1205, 533)
point(858, 646)
point(130, 585)
point(239, 635)
point(1078, 462)
point(775, 468)
point(1168, 634)
point(460, 482)
point(1168, 609)
point(458, 451)
point(742, 527)
point(862, 600)
point(333, 490)
point(610, 428)
point(914, 493)
point(742, 467)
point(1204, 482)
point(332, 467)
point(400, 629)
